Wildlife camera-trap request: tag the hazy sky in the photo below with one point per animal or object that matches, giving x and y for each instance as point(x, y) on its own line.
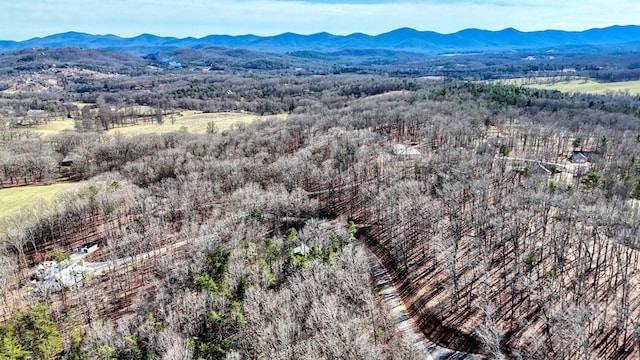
point(24, 19)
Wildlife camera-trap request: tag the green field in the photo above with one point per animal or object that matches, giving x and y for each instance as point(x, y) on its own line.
point(13, 199)
point(576, 84)
point(193, 121)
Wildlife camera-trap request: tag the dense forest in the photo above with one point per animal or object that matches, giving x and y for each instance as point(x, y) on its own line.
point(507, 217)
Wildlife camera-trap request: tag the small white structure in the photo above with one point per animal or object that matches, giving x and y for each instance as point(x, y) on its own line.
point(403, 150)
point(88, 248)
point(302, 250)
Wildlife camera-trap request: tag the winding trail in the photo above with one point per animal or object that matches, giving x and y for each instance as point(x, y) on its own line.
point(404, 322)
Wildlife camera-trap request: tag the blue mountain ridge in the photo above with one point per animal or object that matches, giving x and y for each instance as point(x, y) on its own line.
point(405, 39)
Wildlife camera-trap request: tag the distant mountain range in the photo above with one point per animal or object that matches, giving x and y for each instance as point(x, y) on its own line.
point(627, 38)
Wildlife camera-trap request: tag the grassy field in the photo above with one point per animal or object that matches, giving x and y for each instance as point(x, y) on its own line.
point(193, 121)
point(13, 199)
point(56, 126)
point(575, 84)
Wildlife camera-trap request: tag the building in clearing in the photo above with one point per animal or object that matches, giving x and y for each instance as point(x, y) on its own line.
point(54, 276)
point(68, 160)
point(88, 248)
point(36, 113)
point(578, 158)
point(583, 157)
point(404, 150)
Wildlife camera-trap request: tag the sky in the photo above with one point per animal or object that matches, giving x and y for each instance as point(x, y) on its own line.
point(25, 19)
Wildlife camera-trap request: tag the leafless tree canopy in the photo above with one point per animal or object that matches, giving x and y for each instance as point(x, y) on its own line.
point(251, 242)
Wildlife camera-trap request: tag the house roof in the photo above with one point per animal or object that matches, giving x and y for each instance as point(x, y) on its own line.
point(578, 158)
point(401, 149)
point(36, 113)
point(583, 156)
point(70, 158)
point(500, 140)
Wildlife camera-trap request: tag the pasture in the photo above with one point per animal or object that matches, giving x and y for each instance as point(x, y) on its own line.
point(193, 121)
point(56, 126)
point(15, 198)
point(576, 84)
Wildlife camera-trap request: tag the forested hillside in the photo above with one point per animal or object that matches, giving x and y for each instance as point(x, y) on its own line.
point(507, 218)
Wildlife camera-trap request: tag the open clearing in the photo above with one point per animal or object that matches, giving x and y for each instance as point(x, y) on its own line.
point(193, 121)
point(56, 126)
point(575, 84)
point(15, 198)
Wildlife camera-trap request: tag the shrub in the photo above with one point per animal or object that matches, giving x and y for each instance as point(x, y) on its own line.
point(530, 261)
point(60, 256)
